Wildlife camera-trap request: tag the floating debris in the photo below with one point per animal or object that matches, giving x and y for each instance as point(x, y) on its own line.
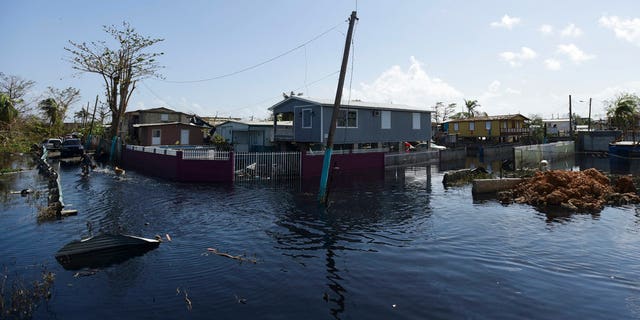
point(85, 273)
point(239, 258)
point(240, 300)
point(168, 237)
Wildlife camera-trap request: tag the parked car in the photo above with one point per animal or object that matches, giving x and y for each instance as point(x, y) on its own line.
point(424, 146)
point(71, 148)
point(52, 144)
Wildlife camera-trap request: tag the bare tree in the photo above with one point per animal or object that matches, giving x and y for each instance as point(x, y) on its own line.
point(16, 88)
point(120, 68)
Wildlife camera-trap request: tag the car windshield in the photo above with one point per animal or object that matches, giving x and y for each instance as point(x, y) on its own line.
point(71, 142)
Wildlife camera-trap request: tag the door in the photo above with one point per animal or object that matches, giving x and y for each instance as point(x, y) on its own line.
point(155, 137)
point(184, 136)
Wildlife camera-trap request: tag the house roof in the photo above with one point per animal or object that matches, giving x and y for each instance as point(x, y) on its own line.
point(156, 110)
point(556, 120)
point(139, 125)
point(258, 123)
point(489, 118)
point(353, 104)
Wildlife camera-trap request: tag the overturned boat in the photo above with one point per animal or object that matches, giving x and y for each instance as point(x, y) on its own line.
point(103, 250)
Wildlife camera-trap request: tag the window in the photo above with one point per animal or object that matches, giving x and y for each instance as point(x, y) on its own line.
point(504, 124)
point(348, 119)
point(416, 121)
point(386, 120)
point(306, 118)
point(487, 125)
point(155, 133)
point(472, 126)
point(455, 127)
point(164, 117)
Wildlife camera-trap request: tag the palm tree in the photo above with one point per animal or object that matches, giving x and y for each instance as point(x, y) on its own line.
point(50, 109)
point(7, 110)
point(622, 112)
point(471, 106)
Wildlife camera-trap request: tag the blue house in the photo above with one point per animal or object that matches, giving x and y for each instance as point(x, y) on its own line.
point(360, 124)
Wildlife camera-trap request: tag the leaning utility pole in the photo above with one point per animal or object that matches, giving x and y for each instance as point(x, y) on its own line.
point(570, 119)
point(322, 196)
point(589, 127)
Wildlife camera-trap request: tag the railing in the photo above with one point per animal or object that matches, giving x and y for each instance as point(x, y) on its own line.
point(321, 152)
point(283, 133)
point(204, 154)
point(520, 131)
point(253, 166)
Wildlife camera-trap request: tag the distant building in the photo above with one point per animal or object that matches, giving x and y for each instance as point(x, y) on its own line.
point(360, 124)
point(249, 136)
point(163, 126)
point(501, 128)
point(557, 127)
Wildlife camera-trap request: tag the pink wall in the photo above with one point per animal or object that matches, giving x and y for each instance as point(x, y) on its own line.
point(352, 163)
point(175, 168)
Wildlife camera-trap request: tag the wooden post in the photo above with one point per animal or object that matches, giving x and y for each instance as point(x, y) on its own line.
point(589, 123)
point(322, 195)
point(570, 119)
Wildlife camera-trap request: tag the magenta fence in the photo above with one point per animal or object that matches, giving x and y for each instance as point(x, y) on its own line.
point(196, 165)
point(171, 164)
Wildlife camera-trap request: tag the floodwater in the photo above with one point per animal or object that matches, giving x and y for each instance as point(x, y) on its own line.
point(396, 245)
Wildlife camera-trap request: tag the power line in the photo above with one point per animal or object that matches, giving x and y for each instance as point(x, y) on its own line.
point(251, 105)
point(261, 63)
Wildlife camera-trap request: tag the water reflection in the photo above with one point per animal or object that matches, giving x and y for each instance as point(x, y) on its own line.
point(363, 213)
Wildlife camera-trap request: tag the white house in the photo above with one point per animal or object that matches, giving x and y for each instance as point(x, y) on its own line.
point(249, 136)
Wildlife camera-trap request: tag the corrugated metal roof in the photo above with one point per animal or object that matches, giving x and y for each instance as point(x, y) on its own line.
point(138, 125)
point(489, 118)
point(355, 104)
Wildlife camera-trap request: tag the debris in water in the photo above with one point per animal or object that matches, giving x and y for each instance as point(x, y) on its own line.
point(239, 258)
point(85, 273)
point(168, 237)
point(241, 300)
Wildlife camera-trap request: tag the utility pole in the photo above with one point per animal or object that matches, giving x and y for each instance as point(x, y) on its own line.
point(322, 195)
point(570, 119)
point(95, 106)
point(589, 123)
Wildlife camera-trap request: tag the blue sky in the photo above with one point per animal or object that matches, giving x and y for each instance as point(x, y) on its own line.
point(512, 56)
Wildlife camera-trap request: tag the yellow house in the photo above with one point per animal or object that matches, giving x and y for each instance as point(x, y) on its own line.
point(504, 128)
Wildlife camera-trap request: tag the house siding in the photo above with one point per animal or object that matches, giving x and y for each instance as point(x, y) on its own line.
point(170, 134)
point(369, 124)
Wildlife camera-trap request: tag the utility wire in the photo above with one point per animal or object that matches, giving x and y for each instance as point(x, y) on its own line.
point(251, 105)
point(261, 63)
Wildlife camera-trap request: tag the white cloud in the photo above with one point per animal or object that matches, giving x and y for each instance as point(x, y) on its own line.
point(574, 53)
point(515, 59)
point(413, 87)
point(552, 64)
point(506, 22)
point(626, 29)
point(571, 31)
point(546, 29)
point(498, 100)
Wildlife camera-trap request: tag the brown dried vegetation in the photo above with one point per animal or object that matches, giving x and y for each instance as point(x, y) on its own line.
point(575, 191)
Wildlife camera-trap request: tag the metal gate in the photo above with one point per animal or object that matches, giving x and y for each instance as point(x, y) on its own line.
point(277, 166)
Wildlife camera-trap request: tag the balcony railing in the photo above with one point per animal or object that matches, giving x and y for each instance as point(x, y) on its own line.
point(283, 133)
point(514, 131)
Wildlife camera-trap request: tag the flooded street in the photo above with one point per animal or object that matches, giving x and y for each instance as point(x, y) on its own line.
point(397, 246)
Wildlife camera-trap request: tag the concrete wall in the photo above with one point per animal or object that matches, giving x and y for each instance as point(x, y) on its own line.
point(595, 141)
point(530, 156)
point(410, 158)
